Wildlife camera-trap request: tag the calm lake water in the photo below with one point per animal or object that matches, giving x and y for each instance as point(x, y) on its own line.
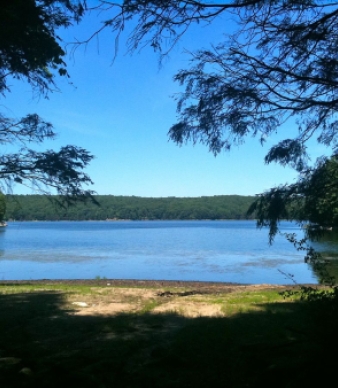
point(222, 251)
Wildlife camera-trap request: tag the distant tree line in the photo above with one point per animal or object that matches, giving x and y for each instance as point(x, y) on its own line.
point(39, 207)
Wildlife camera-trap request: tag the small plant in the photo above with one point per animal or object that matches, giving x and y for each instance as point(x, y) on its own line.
point(149, 306)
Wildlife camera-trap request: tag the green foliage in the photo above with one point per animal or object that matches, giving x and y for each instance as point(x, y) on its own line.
point(29, 46)
point(312, 201)
point(311, 294)
point(321, 194)
point(37, 207)
point(2, 206)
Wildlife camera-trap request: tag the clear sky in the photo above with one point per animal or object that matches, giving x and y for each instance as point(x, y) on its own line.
point(121, 113)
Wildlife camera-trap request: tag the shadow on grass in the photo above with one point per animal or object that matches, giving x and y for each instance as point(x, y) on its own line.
point(42, 344)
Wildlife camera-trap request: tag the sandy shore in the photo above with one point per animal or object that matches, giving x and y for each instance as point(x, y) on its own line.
point(205, 287)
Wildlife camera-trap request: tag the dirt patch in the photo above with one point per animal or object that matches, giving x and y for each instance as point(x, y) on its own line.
point(190, 303)
point(107, 297)
point(142, 293)
point(190, 309)
point(110, 301)
point(107, 309)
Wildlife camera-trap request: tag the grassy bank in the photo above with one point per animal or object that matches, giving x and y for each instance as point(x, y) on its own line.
point(104, 334)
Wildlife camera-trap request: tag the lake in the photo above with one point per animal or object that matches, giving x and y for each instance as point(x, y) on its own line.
point(221, 251)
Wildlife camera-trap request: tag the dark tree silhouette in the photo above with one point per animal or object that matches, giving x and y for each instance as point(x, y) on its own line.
point(31, 51)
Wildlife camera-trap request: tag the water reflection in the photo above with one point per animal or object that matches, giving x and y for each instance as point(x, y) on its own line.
point(2, 233)
point(327, 246)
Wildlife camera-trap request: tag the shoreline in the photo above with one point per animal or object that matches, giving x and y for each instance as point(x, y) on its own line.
point(133, 283)
point(138, 219)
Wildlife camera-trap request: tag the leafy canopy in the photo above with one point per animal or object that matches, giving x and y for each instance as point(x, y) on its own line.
point(313, 198)
point(30, 49)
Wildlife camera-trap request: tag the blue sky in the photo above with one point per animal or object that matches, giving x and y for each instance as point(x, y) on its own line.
point(121, 113)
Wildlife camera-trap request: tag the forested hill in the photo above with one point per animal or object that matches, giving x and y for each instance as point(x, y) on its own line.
point(38, 207)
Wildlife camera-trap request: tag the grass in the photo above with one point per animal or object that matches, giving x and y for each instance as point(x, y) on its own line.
point(148, 306)
point(257, 339)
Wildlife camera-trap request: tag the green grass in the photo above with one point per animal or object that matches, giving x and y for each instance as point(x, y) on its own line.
point(148, 306)
point(262, 339)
